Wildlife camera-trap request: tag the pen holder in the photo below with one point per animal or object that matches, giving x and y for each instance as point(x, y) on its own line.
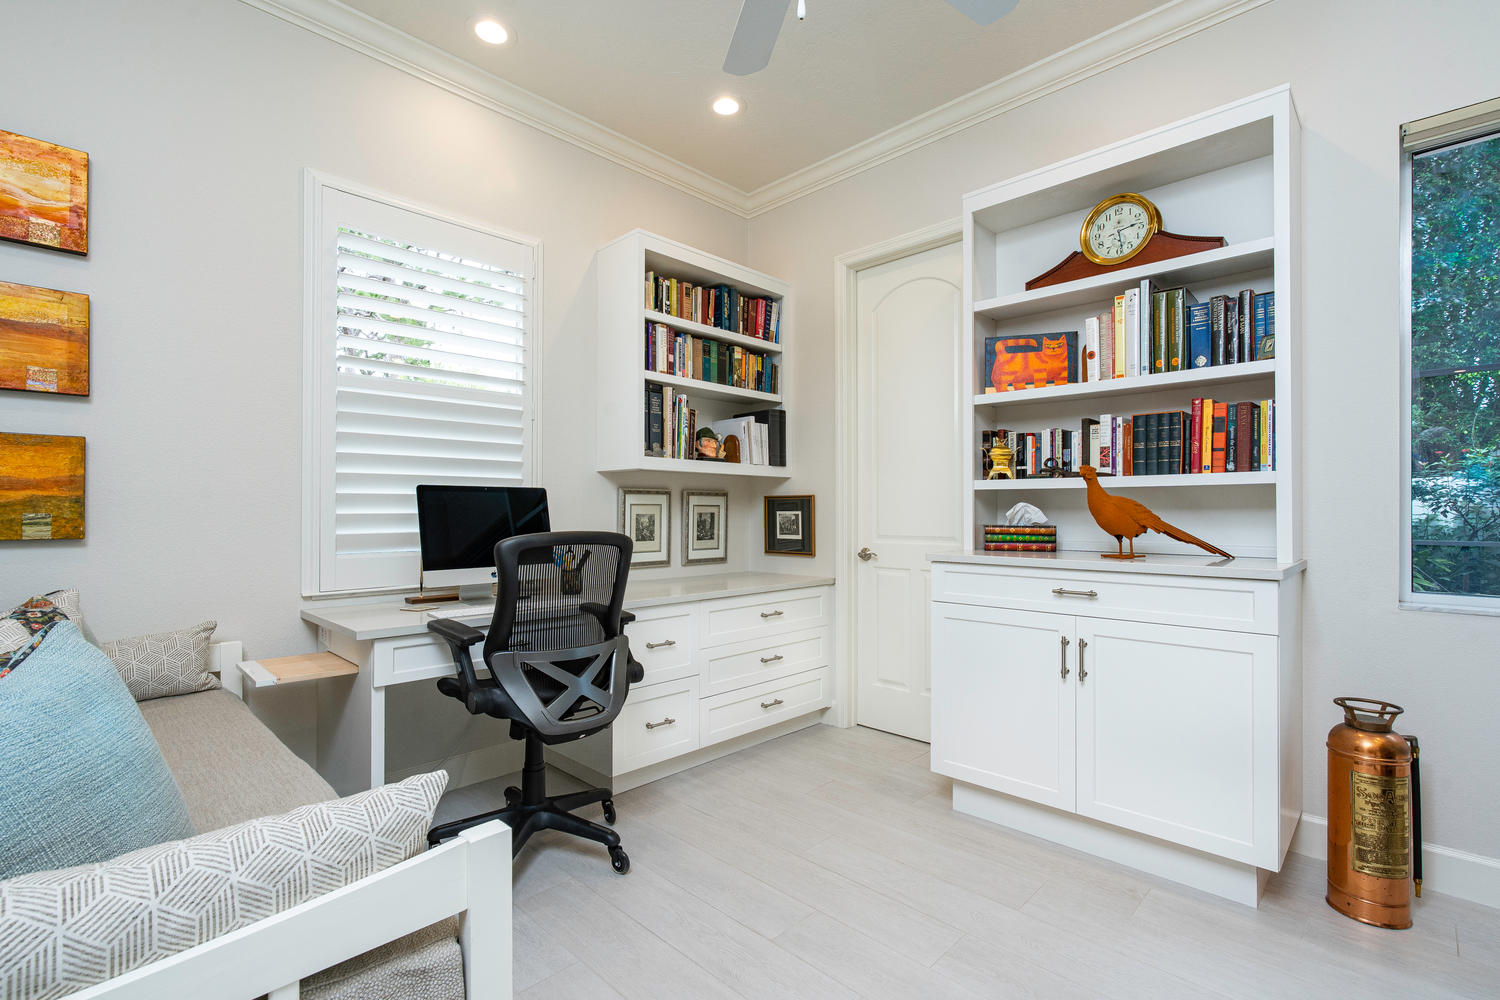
point(571, 582)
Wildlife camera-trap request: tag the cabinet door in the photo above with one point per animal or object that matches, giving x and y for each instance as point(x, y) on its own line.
point(1177, 733)
point(1002, 701)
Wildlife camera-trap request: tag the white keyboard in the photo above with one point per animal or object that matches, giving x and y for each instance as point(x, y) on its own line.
point(463, 612)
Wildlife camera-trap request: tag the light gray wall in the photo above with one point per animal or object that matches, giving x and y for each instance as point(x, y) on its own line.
point(199, 117)
point(1357, 69)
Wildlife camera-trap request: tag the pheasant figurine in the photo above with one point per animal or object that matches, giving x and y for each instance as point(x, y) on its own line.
point(1125, 518)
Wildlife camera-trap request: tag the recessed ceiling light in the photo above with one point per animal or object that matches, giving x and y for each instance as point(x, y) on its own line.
point(492, 31)
point(726, 106)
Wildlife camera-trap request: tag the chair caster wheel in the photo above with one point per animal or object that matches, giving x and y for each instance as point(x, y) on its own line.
point(609, 811)
point(619, 860)
point(512, 795)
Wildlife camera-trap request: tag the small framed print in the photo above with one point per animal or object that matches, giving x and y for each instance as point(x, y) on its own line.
point(646, 518)
point(705, 527)
point(790, 528)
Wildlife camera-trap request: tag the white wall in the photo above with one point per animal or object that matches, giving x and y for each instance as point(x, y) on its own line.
point(199, 117)
point(1358, 68)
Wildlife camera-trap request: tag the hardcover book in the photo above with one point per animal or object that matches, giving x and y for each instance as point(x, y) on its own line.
point(1158, 332)
point(1221, 430)
point(1265, 326)
point(1246, 329)
point(1200, 343)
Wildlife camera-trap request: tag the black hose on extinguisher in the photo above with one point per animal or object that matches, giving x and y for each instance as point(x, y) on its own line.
point(1416, 814)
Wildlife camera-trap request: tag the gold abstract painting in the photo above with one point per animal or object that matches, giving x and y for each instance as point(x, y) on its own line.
point(44, 193)
point(44, 340)
point(41, 487)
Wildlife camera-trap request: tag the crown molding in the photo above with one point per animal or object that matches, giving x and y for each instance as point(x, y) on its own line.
point(1145, 33)
point(380, 41)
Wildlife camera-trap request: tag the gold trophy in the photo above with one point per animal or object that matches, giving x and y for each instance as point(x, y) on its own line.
point(1000, 459)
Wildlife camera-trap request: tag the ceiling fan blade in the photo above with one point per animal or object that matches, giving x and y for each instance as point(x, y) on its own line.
point(755, 36)
point(984, 12)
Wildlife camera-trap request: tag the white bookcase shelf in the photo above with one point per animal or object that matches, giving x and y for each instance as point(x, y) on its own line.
point(621, 375)
point(1230, 172)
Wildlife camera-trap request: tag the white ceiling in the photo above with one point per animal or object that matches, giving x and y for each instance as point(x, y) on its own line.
point(649, 69)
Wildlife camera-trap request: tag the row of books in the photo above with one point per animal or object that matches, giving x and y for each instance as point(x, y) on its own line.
point(672, 427)
point(671, 352)
point(1147, 330)
point(1020, 538)
point(1212, 437)
point(715, 305)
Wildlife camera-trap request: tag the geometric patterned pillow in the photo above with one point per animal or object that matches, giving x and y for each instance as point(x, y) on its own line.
point(63, 930)
point(166, 663)
point(24, 627)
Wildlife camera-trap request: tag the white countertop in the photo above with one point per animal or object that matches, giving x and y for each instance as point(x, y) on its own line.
point(386, 619)
point(1164, 565)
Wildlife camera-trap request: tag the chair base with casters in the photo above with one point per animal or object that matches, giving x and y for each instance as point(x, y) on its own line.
point(559, 670)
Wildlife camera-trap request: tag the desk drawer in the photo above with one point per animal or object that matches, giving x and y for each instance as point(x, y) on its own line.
point(728, 715)
point(1201, 602)
point(414, 658)
point(726, 668)
point(658, 721)
point(663, 643)
point(764, 615)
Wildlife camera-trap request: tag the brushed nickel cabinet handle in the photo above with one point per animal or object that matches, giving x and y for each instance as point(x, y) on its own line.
point(664, 722)
point(1064, 592)
point(770, 614)
point(658, 645)
point(770, 659)
point(1083, 674)
point(1063, 656)
point(771, 704)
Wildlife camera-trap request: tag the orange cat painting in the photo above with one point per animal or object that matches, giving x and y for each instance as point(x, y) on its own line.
point(1030, 361)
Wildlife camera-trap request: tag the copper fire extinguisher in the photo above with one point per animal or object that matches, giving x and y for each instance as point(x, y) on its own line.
point(1373, 810)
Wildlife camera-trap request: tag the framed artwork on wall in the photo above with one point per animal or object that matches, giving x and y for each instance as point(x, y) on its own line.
point(790, 529)
point(44, 340)
point(41, 487)
point(646, 518)
point(44, 194)
point(705, 527)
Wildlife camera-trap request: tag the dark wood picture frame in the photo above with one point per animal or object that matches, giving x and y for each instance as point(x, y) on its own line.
point(791, 525)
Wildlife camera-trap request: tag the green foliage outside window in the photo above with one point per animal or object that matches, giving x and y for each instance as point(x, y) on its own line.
point(1455, 413)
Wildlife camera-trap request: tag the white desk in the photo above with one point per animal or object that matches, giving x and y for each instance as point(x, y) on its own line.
point(392, 646)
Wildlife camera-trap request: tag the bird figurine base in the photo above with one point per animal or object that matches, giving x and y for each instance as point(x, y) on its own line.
point(1122, 555)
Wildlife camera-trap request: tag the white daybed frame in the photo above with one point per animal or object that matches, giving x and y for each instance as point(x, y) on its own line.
point(468, 876)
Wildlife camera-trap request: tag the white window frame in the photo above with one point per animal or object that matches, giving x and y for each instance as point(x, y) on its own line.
point(1449, 128)
point(319, 363)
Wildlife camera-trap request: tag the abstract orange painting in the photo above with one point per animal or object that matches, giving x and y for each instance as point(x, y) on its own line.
point(41, 487)
point(44, 193)
point(44, 340)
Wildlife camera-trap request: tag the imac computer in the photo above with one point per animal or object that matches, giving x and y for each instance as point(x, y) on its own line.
point(459, 526)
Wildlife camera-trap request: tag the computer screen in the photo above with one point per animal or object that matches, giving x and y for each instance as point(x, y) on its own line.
point(460, 525)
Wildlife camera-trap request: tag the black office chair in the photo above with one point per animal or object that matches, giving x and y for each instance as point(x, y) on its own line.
point(560, 669)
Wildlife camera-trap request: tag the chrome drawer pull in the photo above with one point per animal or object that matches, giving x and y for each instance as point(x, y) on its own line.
point(1062, 592)
point(664, 722)
point(770, 614)
point(1063, 658)
point(658, 645)
point(770, 659)
point(771, 704)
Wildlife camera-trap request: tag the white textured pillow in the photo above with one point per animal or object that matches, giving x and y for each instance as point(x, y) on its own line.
point(63, 930)
point(164, 663)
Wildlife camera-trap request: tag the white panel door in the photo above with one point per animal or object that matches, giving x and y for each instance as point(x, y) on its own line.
point(1166, 731)
point(908, 456)
point(1002, 701)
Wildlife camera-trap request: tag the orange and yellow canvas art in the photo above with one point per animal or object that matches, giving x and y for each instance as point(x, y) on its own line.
point(41, 487)
point(44, 340)
point(44, 193)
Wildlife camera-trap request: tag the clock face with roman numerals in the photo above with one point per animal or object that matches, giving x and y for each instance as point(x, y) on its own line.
point(1118, 228)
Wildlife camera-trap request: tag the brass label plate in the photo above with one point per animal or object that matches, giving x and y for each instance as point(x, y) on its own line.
point(1381, 810)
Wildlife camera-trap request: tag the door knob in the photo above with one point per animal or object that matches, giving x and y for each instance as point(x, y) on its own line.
point(865, 554)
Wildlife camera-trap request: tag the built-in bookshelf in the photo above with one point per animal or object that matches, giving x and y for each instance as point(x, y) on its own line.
point(1231, 173)
point(715, 365)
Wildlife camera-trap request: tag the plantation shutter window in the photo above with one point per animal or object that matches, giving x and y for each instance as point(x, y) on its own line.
point(420, 335)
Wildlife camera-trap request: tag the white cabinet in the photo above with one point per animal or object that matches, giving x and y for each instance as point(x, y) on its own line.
point(1184, 734)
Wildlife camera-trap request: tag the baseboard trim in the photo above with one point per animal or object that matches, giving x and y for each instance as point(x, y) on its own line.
point(1451, 872)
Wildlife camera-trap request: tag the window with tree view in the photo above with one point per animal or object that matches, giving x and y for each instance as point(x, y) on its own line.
point(1455, 370)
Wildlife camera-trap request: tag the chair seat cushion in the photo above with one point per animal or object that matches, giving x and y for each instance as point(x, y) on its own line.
point(82, 779)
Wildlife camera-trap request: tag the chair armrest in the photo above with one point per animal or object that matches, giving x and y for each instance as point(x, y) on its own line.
point(601, 615)
point(455, 631)
point(626, 617)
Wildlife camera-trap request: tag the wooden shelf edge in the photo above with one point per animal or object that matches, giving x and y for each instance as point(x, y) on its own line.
point(696, 468)
point(1140, 383)
point(1111, 483)
point(711, 332)
point(713, 390)
point(297, 669)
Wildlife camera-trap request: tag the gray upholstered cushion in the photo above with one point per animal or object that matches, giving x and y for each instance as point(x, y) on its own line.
point(427, 964)
point(81, 778)
point(63, 930)
point(230, 767)
point(165, 663)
